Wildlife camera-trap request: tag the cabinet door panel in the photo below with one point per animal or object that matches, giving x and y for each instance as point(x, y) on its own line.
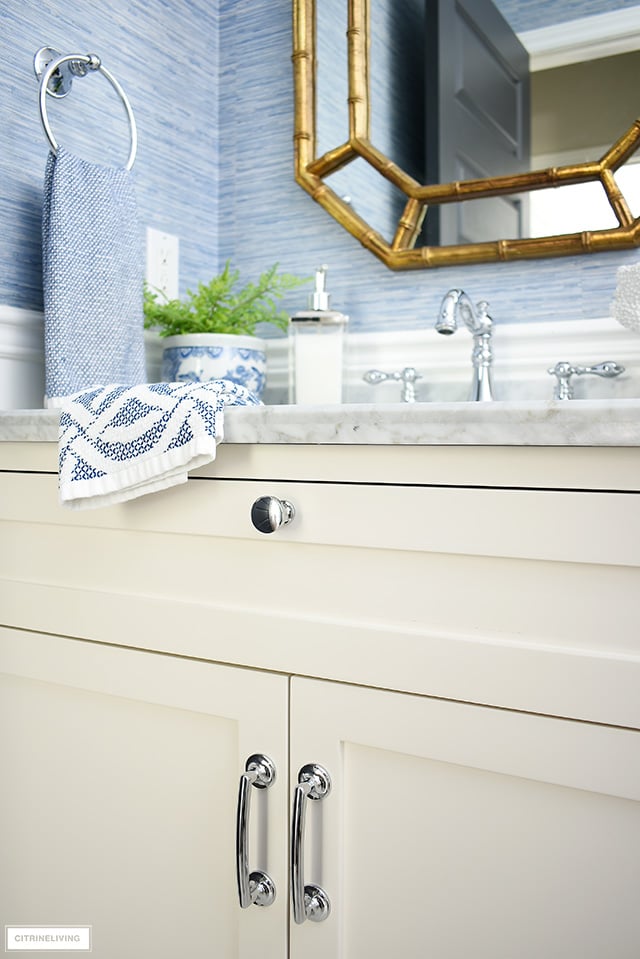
point(454, 831)
point(121, 773)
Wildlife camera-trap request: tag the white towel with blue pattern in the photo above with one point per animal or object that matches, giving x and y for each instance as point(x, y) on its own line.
point(92, 277)
point(120, 442)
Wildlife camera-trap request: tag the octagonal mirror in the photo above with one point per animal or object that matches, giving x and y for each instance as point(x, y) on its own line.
point(457, 186)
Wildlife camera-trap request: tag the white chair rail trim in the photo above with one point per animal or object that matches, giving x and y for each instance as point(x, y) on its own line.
point(523, 353)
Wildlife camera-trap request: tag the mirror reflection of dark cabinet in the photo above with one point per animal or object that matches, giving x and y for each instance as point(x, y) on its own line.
point(477, 107)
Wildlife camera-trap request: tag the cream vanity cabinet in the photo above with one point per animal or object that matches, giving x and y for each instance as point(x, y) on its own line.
point(120, 779)
point(450, 638)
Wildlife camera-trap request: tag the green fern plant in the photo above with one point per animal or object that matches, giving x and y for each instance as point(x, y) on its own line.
point(222, 305)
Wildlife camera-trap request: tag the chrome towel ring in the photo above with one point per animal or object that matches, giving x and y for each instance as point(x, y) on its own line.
point(56, 74)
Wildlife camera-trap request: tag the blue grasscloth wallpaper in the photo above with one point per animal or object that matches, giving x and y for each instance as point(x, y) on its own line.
point(165, 55)
point(211, 87)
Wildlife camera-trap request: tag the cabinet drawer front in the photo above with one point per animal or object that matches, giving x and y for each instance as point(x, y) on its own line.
point(569, 526)
point(379, 585)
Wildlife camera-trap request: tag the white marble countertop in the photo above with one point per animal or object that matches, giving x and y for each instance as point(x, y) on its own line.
point(538, 423)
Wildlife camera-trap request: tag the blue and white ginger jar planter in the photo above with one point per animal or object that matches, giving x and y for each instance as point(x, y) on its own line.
point(199, 357)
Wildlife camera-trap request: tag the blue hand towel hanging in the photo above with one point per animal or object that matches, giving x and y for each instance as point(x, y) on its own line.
point(92, 276)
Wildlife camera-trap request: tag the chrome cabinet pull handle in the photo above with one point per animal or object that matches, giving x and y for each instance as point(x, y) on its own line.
point(309, 902)
point(253, 887)
point(269, 513)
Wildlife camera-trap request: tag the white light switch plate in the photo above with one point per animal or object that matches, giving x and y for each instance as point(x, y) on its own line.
point(163, 253)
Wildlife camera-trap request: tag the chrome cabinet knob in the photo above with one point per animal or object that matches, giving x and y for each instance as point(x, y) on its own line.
point(269, 513)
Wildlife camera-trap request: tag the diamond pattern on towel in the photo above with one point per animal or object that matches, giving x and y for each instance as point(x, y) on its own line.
point(119, 442)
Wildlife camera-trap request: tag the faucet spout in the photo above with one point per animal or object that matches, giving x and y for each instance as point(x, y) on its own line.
point(457, 305)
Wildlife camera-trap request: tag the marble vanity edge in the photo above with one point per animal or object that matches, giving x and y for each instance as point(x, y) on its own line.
point(581, 423)
point(538, 423)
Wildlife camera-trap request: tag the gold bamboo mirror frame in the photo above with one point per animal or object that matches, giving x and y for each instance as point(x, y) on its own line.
point(401, 253)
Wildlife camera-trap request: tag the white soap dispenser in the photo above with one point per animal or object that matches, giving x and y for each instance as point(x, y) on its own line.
point(316, 349)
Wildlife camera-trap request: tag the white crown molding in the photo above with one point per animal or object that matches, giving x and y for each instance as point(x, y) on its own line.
point(588, 38)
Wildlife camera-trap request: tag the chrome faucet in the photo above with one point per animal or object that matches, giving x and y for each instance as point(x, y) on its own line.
point(456, 304)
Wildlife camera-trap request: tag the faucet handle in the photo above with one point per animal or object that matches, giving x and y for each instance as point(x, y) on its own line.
point(407, 376)
point(563, 371)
